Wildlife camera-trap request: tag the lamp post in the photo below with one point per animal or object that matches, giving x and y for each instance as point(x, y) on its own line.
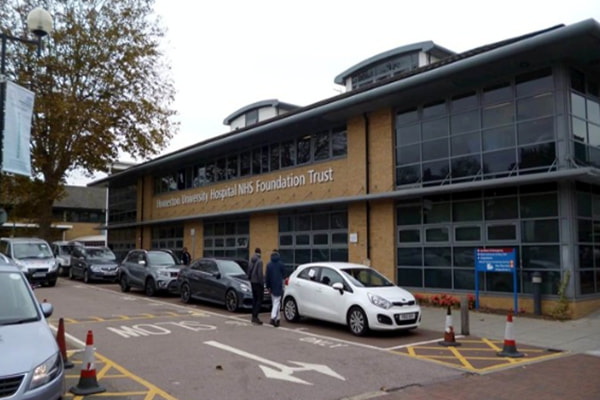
point(39, 22)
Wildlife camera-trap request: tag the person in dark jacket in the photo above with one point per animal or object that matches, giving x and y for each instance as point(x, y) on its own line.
point(274, 283)
point(255, 276)
point(186, 257)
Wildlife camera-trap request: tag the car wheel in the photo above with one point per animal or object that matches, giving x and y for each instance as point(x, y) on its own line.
point(150, 288)
point(124, 284)
point(186, 293)
point(290, 310)
point(71, 274)
point(52, 283)
point(357, 321)
point(231, 300)
point(86, 276)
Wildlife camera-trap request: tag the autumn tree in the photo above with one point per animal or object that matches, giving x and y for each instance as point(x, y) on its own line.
point(102, 89)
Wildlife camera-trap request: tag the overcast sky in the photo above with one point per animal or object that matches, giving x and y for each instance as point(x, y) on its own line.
point(227, 54)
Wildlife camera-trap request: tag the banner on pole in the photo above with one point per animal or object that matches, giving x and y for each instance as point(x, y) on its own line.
point(18, 112)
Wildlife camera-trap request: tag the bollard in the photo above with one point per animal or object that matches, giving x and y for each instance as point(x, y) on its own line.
point(464, 315)
point(536, 280)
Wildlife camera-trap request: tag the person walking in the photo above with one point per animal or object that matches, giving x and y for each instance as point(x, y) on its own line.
point(274, 283)
point(186, 257)
point(255, 275)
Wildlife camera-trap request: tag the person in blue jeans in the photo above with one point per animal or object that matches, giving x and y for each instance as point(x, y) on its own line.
point(255, 276)
point(274, 283)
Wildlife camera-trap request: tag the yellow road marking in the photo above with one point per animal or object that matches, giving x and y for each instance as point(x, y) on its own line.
point(460, 358)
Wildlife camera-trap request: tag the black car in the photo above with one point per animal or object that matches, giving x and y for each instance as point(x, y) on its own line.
point(93, 263)
point(217, 280)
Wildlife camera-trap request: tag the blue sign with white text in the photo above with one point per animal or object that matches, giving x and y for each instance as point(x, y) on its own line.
point(495, 260)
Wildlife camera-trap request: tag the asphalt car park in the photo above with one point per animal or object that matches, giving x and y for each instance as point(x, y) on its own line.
point(174, 349)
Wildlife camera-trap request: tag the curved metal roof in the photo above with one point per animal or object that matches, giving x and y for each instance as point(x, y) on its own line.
point(259, 104)
point(421, 46)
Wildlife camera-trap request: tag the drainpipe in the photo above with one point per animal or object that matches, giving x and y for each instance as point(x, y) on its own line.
point(367, 185)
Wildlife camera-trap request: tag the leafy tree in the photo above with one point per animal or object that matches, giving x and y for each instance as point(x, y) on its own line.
point(103, 88)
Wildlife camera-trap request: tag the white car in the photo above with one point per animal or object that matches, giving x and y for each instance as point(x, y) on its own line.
point(351, 294)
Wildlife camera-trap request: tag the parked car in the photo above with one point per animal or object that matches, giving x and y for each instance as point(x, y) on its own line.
point(34, 257)
point(32, 366)
point(151, 270)
point(351, 294)
point(93, 263)
point(62, 251)
point(217, 280)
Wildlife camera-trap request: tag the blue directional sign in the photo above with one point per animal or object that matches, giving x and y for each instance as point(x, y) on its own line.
point(496, 260)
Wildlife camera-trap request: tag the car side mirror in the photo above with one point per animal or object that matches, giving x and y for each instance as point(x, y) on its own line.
point(47, 309)
point(338, 286)
point(217, 275)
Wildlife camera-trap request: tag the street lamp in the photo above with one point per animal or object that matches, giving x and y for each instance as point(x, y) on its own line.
point(39, 22)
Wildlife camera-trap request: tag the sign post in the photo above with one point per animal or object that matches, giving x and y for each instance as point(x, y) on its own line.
point(496, 260)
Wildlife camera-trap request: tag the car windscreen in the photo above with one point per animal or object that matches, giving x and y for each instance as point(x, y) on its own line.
point(102, 253)
point(230, 268)
point(160, 258)
point(366, 277)
point(16, 303)
point(32, 250)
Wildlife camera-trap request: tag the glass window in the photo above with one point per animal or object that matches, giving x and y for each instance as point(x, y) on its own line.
point(435, 212)
point(339, 145)
point(464, 122)
point(467, 211)
point(534, 82)
point(497, 93)
point(408, 175)
point(438, 278)
point(541, 257)
point(303, 150)
point(274, 157)
point(321, 151)
point(466, 166)
point(288, 154)
point(464, 102)
point(408, 154)
point(545, 230)
point(410, 256)
point(437, 256)
point(467, 233)
point(434, 110)
point(466, 144)
point(535, 107)
point(498, 114)
point(435, 149)
point(593, 111)
point(245, 166)
point(264, 159)
point(502, 232)
point(542, 205)
point(499, 161)
point(437, 234)
point(501, 208)
point(577, 80)
point(404, 117)
point(410, 215)
point(232, 167)
point(464, 257)
point(540, 155)
point(410, 277)
point(498, 138)
point(433, 129)
point(409, 235)
point(321, 238)
point(251, 117)
point(435, 171)
point(538, 131)
point(256, 161)
point(408, 134)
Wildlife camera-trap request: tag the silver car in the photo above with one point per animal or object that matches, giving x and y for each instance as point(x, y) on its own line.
point(151, 270)
point(31, 366)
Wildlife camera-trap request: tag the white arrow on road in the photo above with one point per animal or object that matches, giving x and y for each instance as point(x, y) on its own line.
point(280, 371)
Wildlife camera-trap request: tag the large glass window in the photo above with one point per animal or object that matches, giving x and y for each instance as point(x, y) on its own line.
point(226, 238)
point(493, 132)
point(585, 119)
point(437, 237)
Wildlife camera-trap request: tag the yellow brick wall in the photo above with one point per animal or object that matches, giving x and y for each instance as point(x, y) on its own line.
point(357, 224)
point(264, 234)
point(381, 151)
point(82, 229)
point(195, 244)
point(382, 238)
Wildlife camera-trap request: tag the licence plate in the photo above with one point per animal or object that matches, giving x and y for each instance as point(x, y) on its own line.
point(38, 274)
point(110, 273)
point(404, 317)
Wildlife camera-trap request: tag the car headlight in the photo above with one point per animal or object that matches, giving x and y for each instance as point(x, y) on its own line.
point(21, 265)
point(245, 288)
point(379, 301)
point(55, 265)
point(46, 371)
point(164, 273)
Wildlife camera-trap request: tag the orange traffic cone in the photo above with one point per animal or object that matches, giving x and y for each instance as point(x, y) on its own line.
point(510, 345)
point(60, 339)
point(449, 339)
point(88, 384)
